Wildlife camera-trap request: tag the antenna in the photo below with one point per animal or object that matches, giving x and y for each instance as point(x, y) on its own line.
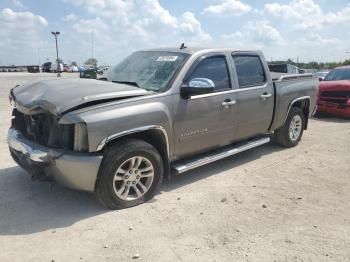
point(183, 46)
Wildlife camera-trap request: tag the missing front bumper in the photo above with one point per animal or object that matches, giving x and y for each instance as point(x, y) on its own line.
point(71, 169)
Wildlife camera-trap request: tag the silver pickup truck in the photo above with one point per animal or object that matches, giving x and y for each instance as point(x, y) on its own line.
point(161, 112)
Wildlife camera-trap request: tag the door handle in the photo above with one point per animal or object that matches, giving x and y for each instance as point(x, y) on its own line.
point(227, 103)
point(264, 96)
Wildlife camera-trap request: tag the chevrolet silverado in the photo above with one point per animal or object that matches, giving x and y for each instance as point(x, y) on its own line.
point(159, 113)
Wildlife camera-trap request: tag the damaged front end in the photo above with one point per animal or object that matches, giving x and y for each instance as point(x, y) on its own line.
point(51, 150)
point(48, 139)
point(45, 129)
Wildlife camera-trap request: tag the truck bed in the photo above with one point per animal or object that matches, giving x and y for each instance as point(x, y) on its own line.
point(288, 88)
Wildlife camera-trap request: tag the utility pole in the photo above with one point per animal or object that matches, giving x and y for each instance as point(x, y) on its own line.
point(57, 61)
point(92, 44)
point(39, 57)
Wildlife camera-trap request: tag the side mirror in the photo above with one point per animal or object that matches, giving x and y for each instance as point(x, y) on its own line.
point(320, 79)
point(198, 86)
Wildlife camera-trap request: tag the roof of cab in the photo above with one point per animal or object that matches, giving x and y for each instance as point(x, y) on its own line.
point(193, 50)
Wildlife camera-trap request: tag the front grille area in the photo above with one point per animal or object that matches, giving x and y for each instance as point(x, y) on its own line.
point(44, 129)
point(336, 97)
point(340, 94)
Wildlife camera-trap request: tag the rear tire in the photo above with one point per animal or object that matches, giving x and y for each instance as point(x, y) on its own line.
point(291, 132)
point(130, 174)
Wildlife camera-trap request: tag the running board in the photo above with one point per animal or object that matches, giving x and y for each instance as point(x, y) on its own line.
point(217, 155)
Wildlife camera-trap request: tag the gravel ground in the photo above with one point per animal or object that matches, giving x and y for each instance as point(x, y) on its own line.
point(266, 204)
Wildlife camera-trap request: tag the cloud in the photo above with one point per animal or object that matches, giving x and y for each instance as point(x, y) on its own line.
point(146, 20)
point(313, 40)
point(306, 14)
point(229, 7)
point(121, 27)
point(74, 2)
point(189, 26)
point(20, 34)
point(263, 31)
point(90, 25)
point(17, 3)
point(257, 34)
point(22, 18)
point(236, 35)
point(70, 18)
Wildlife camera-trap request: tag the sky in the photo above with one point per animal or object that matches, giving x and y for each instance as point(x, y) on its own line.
point(303, 30)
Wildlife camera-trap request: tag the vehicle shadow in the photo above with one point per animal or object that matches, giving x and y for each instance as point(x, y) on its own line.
point(220, 166)
point(28, 207)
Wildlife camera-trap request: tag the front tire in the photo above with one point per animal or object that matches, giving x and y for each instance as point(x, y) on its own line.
point(291, 132)
point(130, 174)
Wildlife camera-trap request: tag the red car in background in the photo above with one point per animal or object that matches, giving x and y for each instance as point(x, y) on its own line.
point(334, 92)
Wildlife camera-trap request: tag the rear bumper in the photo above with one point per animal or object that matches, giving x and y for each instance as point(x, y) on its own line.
point(333, 109)
point(71, 169)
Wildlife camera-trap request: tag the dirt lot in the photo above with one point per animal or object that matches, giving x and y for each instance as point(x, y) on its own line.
point(267, 204)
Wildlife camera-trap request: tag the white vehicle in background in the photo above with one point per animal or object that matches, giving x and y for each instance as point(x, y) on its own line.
point(322, 74)
point(103, 69)
point(53, 67)
point(102, 72)
point(73, 68)
point(310, 71)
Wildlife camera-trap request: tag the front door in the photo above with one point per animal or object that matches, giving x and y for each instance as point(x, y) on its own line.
point(203, 122)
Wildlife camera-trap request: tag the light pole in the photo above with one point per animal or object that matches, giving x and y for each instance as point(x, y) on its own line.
point(57, 61)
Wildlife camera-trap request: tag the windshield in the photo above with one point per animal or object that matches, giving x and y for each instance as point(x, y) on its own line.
point(150, 70)
point(338, 74)
point(322, 74)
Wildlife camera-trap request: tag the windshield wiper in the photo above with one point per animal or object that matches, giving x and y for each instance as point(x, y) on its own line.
point(127, 83)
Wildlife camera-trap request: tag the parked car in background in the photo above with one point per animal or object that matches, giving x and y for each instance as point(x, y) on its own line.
point(88, 73)
point(33, 69)
point(102, 70)
point(161, 112)
point(334, 92)
point(45, 67)
point(65, 68)
point(53, 67)
point(308, 71)
point(284, 68)
point(73, 68)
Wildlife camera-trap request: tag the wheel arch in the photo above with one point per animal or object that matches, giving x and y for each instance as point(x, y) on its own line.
point(304, 104)
point(154, 135)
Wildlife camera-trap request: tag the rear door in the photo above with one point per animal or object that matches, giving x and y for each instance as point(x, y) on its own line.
point(255, 95)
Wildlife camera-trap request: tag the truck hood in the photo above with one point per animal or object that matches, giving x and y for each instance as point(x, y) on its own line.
point(340, 85)
point(62, 95)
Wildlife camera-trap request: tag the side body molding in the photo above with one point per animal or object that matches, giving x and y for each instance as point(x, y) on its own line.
point(101, 145)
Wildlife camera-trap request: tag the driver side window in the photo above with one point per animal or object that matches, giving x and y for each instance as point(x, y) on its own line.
point(215, 69)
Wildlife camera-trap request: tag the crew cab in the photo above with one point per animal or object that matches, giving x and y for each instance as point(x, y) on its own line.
point(160, 113)
point(334, 92)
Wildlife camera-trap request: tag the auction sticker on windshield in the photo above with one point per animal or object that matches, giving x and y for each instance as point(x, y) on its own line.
point(167, 58)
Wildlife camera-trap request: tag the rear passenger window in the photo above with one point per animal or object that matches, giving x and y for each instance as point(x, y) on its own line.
point(214, 68)
point(250, 71)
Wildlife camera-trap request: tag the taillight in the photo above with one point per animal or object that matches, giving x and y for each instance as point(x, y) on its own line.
point(348, 102)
